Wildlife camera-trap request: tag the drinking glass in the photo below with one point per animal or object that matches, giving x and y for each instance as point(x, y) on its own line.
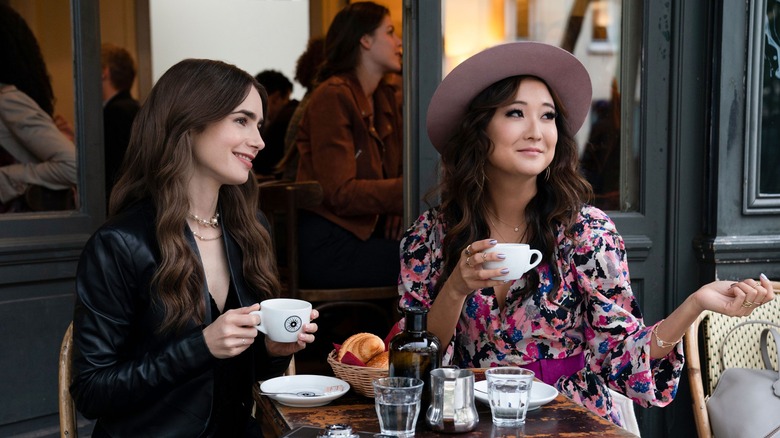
point(509, 389)
point(397, 401)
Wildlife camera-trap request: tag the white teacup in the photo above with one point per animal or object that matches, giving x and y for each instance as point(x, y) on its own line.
point(281, 319)
point(519, 259)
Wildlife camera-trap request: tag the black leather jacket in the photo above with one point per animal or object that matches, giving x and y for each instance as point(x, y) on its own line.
point(133, 380)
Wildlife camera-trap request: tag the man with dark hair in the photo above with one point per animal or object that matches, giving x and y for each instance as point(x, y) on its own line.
point(119, 107)
point(277, 117)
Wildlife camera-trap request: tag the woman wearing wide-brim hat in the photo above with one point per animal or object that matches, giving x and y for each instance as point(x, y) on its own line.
point(504, 122)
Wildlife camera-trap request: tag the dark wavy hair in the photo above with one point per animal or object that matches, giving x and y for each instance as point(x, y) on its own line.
point(21, 60)
point(464, 200)
point(190, 96)
point(309, 62)
point(342, 42)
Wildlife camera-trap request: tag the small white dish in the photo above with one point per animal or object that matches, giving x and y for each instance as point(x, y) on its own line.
point(331, 388)
point(541, 394)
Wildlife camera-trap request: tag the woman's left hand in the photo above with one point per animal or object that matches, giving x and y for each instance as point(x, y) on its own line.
point(735, 298)
point(306, 336)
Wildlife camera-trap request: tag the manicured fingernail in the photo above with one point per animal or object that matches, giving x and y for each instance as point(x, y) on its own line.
point(505, 271)
point(501, 256)
point(764, 277)
point(493, 241)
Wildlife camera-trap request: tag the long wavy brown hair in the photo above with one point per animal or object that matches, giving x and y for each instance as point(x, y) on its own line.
point(342, 42)
point(462, 187)
point(190, 96)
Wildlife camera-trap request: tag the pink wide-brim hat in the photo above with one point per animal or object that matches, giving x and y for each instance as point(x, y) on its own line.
point(562, 72)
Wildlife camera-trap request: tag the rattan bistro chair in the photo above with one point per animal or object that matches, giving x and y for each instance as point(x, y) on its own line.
point(68, 425)
point(702, 343)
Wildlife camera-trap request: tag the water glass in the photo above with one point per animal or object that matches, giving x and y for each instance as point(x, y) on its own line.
point(397, 401)
point(509, 389)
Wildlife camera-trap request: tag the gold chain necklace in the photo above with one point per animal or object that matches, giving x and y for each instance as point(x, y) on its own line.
point(205, 239)
point(517, 229)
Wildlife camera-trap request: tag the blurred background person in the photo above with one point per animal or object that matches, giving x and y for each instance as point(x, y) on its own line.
point(305, 73)
point(350, 140)
point(280, 110)
point(38, 168)
point(119, 107)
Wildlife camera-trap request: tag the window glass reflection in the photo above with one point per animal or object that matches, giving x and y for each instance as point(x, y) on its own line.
point(38, 170)
point(769, 159)
point(591, 30)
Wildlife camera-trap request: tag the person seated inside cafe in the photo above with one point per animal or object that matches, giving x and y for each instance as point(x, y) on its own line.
point(504, 122)
point(350, 141)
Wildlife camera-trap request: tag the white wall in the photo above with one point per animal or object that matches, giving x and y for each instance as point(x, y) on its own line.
point(255, 35)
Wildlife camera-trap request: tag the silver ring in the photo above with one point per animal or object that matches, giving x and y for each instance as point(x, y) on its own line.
point(468, 251)
point(243, 341)
point(484, 257)
point(468, 262)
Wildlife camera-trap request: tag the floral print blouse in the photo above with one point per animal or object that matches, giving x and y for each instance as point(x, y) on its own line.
point(593, 312)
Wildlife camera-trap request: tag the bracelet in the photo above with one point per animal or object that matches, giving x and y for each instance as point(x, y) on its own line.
point(660, 342)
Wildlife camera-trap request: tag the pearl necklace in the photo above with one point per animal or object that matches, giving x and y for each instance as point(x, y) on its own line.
point(212, 222)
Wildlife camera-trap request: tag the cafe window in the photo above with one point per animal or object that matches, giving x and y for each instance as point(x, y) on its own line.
point(593, 30)
point(45, 184)
point(763, 115)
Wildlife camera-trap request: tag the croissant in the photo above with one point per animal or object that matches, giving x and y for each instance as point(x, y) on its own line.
point(381, 360)
point(363, 345)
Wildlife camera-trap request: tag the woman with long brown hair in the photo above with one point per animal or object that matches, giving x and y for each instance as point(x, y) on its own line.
point(504, 121)
point(165, 343)
point(350, 140)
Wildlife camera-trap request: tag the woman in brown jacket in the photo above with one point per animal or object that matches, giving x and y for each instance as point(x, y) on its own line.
point(350, 140)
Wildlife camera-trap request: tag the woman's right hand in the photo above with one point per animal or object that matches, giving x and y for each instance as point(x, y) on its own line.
point(232, 332)
point(469, 274)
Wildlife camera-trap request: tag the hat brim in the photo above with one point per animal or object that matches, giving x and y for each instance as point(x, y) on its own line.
point(562, 72)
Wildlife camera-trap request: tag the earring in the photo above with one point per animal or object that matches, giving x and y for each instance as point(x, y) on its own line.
point(547, 174)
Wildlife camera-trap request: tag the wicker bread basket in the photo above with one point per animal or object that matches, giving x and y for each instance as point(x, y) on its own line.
point(359, 378)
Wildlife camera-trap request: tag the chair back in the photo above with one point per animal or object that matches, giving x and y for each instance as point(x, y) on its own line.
point(741, 349)
point(68, 425)
point(703, 341)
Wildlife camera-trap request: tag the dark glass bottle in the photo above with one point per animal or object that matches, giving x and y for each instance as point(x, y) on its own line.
point(415, 352)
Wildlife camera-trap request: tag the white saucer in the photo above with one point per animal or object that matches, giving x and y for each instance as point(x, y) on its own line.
point(331, 387)
point(541, 394)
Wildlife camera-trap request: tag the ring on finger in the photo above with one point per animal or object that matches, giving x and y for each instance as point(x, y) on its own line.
point(468, 251)
point(484, 257)
point(243, 341)
point(468, 262)
point(748, 304)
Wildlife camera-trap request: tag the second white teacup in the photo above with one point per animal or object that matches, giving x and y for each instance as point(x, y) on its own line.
point(520, 258)
point(281, 319)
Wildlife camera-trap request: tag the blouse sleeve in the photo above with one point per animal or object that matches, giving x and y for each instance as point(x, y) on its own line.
point(420, 261)
point(36, 132)
point(618, 340)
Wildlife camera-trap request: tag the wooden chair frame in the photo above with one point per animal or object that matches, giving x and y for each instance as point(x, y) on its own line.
point(695, 364)
point(68, 423)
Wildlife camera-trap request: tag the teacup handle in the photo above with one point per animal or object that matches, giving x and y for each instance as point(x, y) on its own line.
point(260, 326)
point(532, 263)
